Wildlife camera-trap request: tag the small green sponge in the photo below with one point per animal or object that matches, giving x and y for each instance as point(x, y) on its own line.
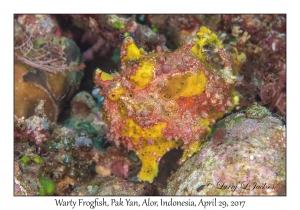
point(48, 186)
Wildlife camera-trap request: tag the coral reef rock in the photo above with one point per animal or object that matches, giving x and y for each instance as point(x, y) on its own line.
point(113, 186)
point(245, 156)
point(46, 68)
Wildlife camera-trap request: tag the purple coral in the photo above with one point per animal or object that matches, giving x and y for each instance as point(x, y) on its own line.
point(120, 169)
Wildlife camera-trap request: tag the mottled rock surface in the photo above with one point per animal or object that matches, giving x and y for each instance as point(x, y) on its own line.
point(244, 157)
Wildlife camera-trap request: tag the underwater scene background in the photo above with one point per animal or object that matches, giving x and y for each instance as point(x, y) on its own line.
point(150, 104)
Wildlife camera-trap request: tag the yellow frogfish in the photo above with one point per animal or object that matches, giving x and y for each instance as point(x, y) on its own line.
point(165, 100)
